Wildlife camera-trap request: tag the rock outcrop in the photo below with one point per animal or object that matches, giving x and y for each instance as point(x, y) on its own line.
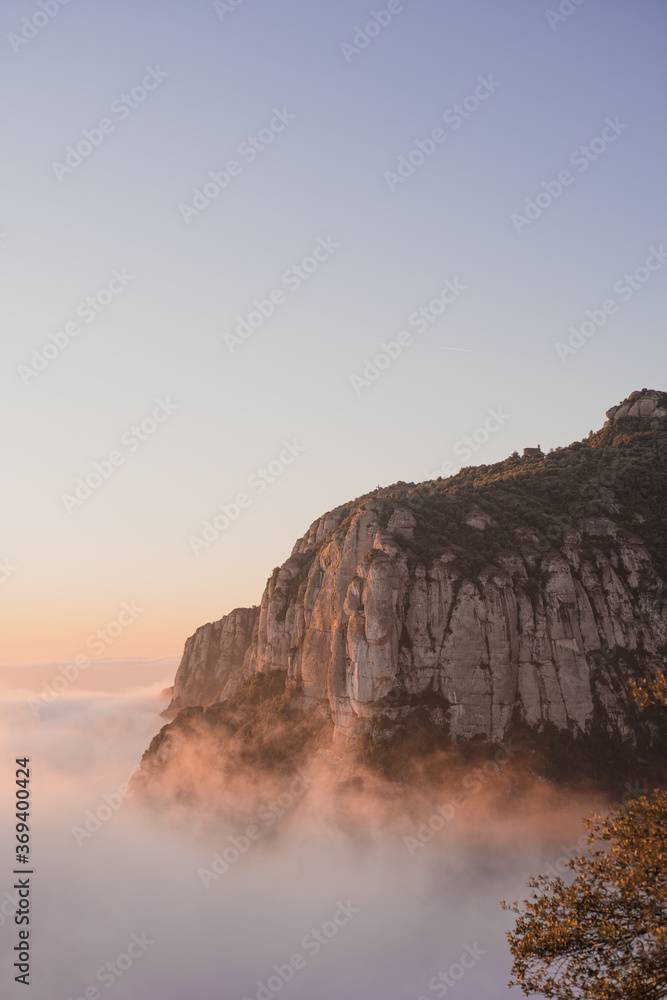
point(211, 656)
point(529, 591)
point(647, 403)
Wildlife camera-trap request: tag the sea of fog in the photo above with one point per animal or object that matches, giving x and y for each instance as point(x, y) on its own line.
point(142, 905)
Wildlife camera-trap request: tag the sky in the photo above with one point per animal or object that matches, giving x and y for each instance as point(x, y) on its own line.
point(183, 342)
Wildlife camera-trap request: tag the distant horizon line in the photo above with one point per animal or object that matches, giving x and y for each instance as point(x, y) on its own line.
point(97, 662)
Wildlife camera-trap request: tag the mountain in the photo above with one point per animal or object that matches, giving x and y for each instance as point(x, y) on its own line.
point(517, 598)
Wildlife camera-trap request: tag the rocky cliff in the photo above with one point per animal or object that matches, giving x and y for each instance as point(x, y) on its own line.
point(529, 592)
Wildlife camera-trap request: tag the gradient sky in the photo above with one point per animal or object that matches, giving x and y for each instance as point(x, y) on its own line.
point(323, 176)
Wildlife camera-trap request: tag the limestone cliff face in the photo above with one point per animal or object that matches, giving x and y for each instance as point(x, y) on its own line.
point(547, 626)
point(213, 654)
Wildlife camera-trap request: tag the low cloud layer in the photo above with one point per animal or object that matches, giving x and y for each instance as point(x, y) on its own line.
point(262, 889)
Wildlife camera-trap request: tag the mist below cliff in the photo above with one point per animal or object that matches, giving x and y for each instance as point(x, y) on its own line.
point(281, 896)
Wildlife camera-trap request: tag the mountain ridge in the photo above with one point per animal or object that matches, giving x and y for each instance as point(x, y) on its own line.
point(526, 593)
